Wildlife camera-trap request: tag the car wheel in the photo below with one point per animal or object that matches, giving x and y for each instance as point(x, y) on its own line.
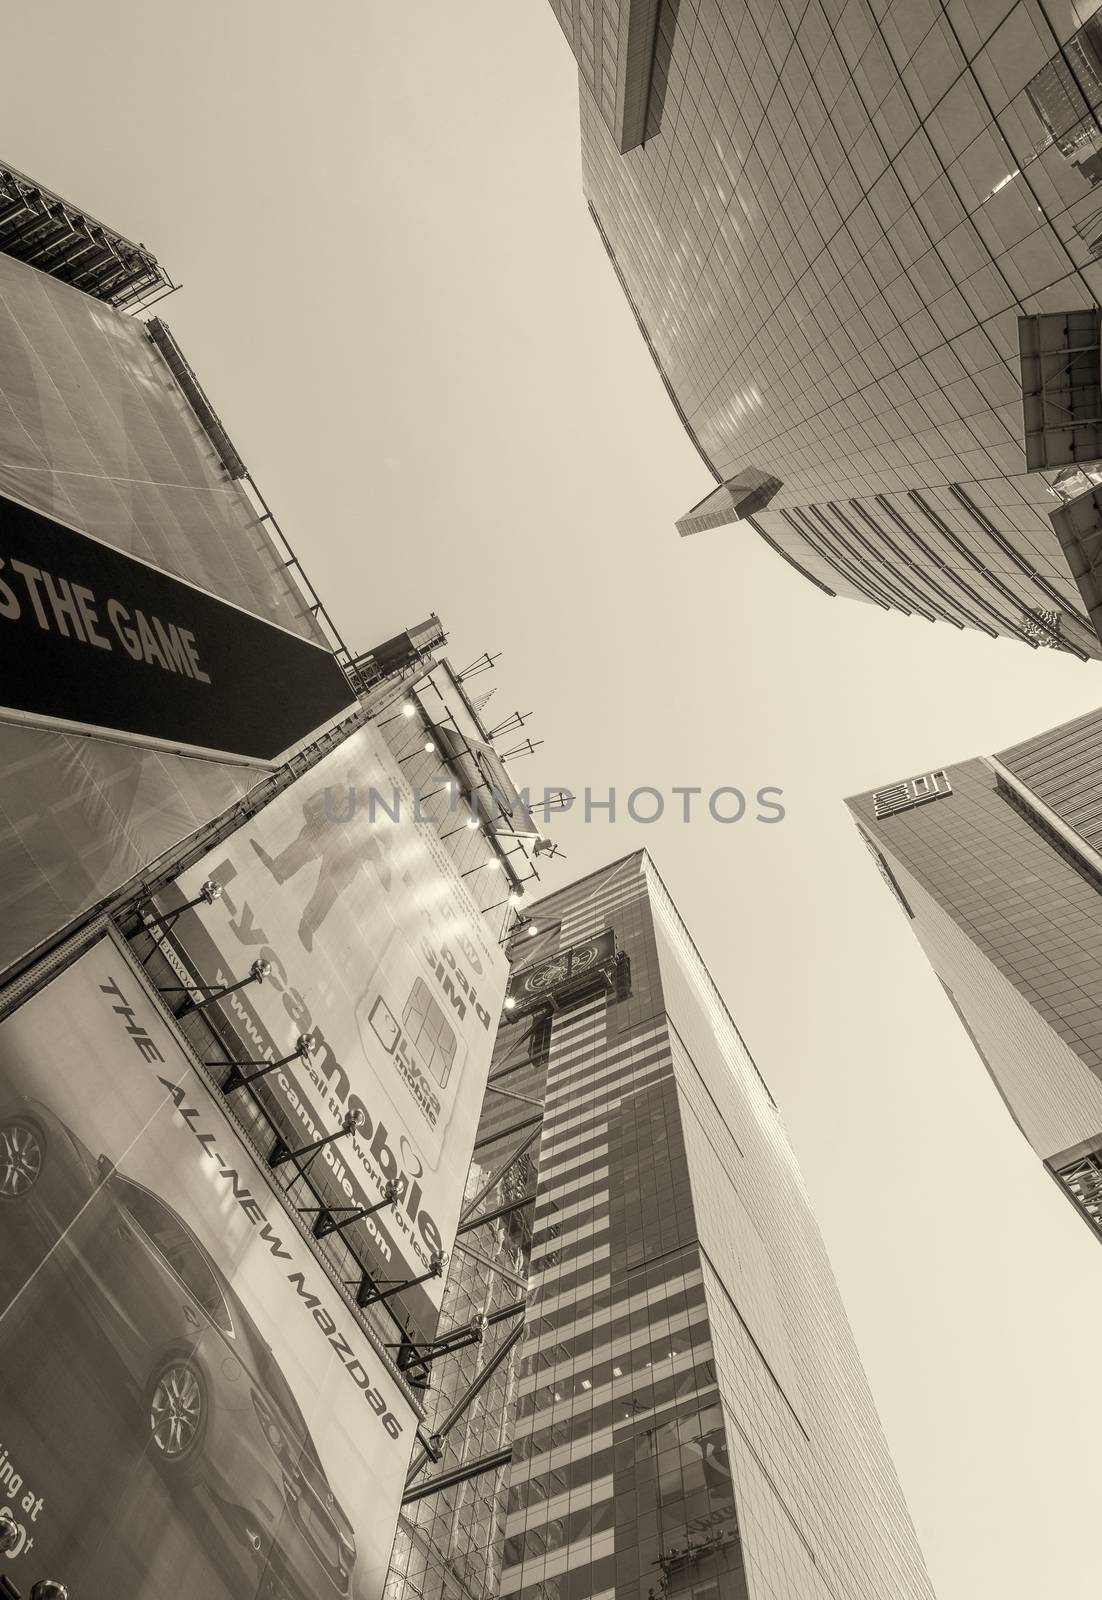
point(22, 1157)
point(177, 1415)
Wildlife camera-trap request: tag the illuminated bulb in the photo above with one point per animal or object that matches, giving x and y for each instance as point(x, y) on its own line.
point(510, 1003)
point(532, 932)
point(429, 747)
point(409, 710)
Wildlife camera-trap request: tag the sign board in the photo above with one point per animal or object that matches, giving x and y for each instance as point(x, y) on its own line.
point(565, 975)
point(380, 953)
point(190, 1408)
point(96, 641)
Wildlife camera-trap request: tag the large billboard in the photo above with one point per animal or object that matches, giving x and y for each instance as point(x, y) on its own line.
point(96, 641)
point(96, 434)
point(378, 951)
point(189, 1406)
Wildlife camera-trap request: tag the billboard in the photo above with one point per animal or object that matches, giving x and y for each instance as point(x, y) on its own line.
point(380, 953)
point(96, 434)
point(190, 1408)
point(565, 977)
point(486, 783)
point(99, 642)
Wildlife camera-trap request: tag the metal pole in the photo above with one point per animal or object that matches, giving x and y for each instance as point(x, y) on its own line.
point(493, 1181)
point(458, 1409)
point(504, 1272)
point(500, 1211)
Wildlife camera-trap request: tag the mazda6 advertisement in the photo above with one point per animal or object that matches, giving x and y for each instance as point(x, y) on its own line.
point(190, 1408)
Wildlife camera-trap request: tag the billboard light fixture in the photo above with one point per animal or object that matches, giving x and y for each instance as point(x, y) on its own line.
point(471, 822)
point(493, 863)
point(282, 1153)
point(414, 1359)
point(210, 891)
point(259, 970)
point(369, 1293)
point(328, 1221)
point(305, 1045)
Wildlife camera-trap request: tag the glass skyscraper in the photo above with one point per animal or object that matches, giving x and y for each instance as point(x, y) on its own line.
point(684, 1412)
point(998, 863)
point(829, 218)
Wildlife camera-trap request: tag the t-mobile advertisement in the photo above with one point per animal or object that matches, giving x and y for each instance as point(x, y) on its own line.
point(189, 1407)
point(378, 951)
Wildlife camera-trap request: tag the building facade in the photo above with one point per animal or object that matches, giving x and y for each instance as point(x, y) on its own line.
point(829, 230)
point(998, 864)
point(685, 1406)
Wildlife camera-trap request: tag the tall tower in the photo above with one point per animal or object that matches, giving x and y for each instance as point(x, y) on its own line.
point(863, 246)
point(685, 1406)
point(998, 864)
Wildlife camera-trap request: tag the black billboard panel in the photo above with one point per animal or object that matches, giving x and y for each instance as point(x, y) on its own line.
point(97, 641)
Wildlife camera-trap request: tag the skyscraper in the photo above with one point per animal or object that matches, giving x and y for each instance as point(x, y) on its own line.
point(998, 864)
point(684, 1411)
point(850, 235)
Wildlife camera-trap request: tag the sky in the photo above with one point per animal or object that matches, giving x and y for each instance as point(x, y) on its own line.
point(394, 297)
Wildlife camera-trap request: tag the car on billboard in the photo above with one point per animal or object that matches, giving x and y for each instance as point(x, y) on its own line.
point(211, 1407)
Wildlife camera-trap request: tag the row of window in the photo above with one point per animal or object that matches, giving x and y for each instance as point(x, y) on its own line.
point(646, 1399)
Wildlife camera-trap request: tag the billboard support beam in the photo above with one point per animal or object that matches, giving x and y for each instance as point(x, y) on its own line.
point(305, 1045)
point(461, 1474)
point(496, 1176)
point(413, 1354)
point(369, 1294)
point(329, 1222)
point(499, 1211)
point(282, 1152)
point(514, 1127)
point(208, 894)
point(453, 1416)
point(257, 973)
point(513, 1094)
point(494, 1266)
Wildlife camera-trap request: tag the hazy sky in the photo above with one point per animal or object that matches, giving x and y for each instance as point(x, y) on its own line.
point(396, 301)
